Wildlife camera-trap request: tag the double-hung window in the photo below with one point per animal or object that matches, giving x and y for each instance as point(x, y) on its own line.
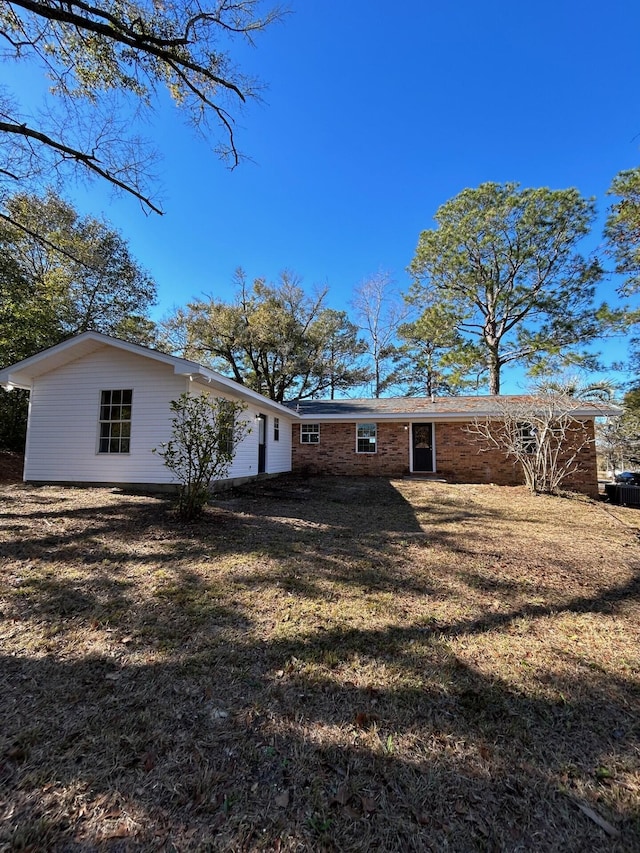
point(227, 421)
point(276, 429)
point(115, 421)
point(309, 433)
point(366, 438)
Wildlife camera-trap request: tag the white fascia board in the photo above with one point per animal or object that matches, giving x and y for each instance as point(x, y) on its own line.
point(369, 417)
point(22, 374)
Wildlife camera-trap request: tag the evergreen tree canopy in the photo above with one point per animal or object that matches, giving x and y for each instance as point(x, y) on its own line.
point(503, 261)
point(61, 274)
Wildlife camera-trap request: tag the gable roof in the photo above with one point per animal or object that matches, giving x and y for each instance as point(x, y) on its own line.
point(431, 408)
point(23, 374)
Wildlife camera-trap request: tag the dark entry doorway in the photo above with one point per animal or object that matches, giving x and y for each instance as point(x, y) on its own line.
point(262, 443)
point(422, 443)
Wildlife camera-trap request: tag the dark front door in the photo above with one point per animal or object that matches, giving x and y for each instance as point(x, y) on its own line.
point(422, 436)
point(262, 443)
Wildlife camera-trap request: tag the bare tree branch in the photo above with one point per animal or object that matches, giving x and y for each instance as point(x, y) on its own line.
point(119, 32)
point(87, 160)
point(43, 240)
point(106, 61)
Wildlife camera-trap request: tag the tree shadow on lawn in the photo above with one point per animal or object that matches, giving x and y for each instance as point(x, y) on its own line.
point(326, 543)
point(357, 542)
point(190, 727)
point(261, 745)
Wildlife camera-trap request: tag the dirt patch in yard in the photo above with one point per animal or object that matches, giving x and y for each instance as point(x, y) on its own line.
point(322, 664)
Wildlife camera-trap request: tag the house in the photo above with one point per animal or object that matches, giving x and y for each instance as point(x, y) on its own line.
point(98, 407)
point(426, 437)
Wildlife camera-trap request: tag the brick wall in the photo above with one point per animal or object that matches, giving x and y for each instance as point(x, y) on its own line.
point(461, 460)
point(336, 453)
point(458, 458)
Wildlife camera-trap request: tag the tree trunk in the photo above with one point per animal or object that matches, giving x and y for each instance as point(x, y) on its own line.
point(494, 372)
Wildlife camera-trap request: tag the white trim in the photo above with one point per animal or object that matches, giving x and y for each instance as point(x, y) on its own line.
point(22, 374)
point(211, 379)
point(434, 455)
point(100, 422)
point(428, 417)
point(375, 440)
point(433, 447)
point(313, 423)
point(86, 342)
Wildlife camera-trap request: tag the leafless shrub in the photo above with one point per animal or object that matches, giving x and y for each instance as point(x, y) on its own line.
point(543, 434)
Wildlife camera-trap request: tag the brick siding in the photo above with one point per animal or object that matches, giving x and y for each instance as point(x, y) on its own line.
point(458, 458)
point(336, 453)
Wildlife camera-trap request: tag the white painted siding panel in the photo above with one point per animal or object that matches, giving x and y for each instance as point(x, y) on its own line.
point(62, 440)
point(278, 453)
point(63, 428)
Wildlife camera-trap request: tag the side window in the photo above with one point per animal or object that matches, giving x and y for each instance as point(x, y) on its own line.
point(527, 437)
point(115, 421)
point(227, 424)
point(366, 438)
point(309, 433)
point(276, 429)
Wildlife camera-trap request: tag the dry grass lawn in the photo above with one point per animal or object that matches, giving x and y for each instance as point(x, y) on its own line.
point(332, 664)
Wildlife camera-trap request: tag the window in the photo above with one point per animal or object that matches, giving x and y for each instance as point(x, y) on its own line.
point(227, 422)
point(276, 429)
point(366, 438)
point(527, 437)
point(310, 433)
point(115, 421)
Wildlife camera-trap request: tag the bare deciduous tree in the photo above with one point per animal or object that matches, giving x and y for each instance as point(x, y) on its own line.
point(379, 312)
point(542, 434)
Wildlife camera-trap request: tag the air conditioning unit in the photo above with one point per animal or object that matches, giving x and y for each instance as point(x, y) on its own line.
point(628, 495)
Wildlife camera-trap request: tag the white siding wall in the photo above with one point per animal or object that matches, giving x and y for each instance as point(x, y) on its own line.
point(62, 439)
point(278, 453)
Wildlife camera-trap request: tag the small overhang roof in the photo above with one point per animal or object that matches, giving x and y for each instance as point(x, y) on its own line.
point(23, 374)
point(437, 408)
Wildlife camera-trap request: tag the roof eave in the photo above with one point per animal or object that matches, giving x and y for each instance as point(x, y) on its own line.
point(437, 416)
point(211, 379)
point(22, 374)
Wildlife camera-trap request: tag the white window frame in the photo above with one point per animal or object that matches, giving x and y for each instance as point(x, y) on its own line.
point(367, 436)
point(527, 437)
point(276, 429)
point(309, 433)
point(111, 421)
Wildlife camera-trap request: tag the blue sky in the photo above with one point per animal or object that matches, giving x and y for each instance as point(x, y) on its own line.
point(375, 114)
